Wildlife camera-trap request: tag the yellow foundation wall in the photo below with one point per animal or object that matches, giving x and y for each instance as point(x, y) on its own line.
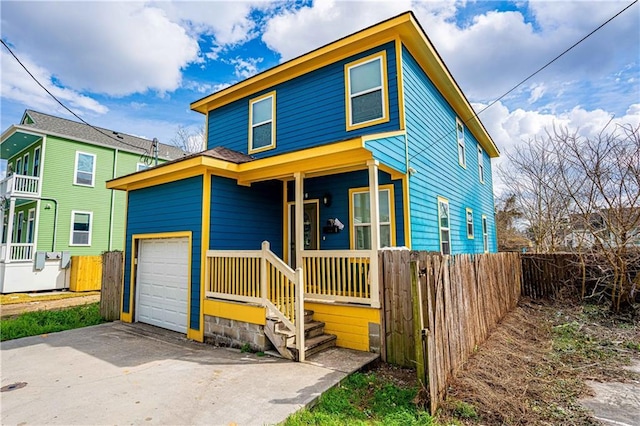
point(86, 273)
point(349, 323)
point(235, 311)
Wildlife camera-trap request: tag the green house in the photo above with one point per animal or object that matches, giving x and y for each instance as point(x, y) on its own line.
point(54, 201)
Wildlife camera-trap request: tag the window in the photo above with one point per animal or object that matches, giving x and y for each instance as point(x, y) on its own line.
point(366, 92)
point(17, 236)
point(361, 217)
point(18, 166)
point(462, 159)
point(25, 165)
point(485, 235)
point(141, 166)
point(31, 220)
point(36, 162)
point(443, 224)
point(262, 123)
point(81, 228)
point(469, 223)
point(480, 165)
point(85, 169)
point(10, 170)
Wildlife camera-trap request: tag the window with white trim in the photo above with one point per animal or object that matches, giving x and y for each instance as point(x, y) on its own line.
point(10, 169)
point(17, 236)
point(31, 221)
point(262, 123)
point(444, 225)
point(81, 223)
point(469, 214)
point(85, 169)
point(18, 166)
point(462, 158)
point(141, 166)
point(361, 218)
point(36, 162)
point(25, 165)
point(367, 98)
point(485, 234)
point(480, 165)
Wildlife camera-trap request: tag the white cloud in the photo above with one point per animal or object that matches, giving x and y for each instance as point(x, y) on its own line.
point(245, 68)
point(117, 48)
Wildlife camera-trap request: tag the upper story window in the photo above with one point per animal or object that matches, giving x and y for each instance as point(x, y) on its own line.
point(444, 225)
point(25, 165)
point(36, 162)
point(81, 228)
point(18, 166)
point(469, 214)
point(480, 165)
point(85, 169)
point(462, 157)
point(262, 123)
point(367, 97)
point(361, 217)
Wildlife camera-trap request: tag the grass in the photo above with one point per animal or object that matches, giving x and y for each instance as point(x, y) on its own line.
point(43, 322)
point(13, 298)
point(364, 399)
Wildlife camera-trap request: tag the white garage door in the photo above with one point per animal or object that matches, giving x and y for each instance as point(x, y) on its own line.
point(162, 283)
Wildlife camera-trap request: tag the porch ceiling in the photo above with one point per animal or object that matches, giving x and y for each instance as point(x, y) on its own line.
point(15, 140)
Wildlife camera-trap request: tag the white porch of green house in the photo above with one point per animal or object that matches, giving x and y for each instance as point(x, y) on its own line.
point(13, 189)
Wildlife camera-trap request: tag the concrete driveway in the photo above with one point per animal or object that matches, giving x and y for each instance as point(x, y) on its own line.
point(119, 373)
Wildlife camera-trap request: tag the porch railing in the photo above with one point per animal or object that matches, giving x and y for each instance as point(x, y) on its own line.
point(17, 252)
point(259, 276)
point(19, 185)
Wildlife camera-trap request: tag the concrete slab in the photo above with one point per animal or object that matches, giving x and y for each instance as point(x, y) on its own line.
point(119, 373)
point(615, 403)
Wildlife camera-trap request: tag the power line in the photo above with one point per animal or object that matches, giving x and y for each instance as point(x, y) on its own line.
point(475, 115)
point(146, 150)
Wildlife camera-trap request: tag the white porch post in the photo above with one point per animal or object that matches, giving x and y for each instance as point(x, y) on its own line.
point(299, 208)
point(12, 208)
point(374, 214)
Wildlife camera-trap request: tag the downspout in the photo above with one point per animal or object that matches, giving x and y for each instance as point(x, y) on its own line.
point(55, 222)
point(113, 201)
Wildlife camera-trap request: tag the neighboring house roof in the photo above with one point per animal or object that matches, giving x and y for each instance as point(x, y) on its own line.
point(403, 28)
point(222, 153)
point(62, 127)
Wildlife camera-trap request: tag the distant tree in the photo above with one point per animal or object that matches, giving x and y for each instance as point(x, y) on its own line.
point(189, 139)
point(510, 238)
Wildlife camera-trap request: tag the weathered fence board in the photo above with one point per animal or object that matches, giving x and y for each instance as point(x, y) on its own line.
point(544, 274)
point(110, 296)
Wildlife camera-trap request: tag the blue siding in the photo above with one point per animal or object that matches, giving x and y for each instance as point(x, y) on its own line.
point(171, 207)
point(391, 151)
point(243, 217)
point(338, 186)
point(433, 152)
point(310, 110)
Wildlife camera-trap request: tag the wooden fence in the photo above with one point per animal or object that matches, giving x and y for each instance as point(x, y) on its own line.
point(439, 308)
point(544, 274)
point(111, 292)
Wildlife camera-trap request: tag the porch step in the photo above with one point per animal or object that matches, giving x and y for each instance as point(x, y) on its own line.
point(316, 344)
point(284, 340)
point(311, 329)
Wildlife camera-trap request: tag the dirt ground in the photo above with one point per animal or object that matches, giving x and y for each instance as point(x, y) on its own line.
point(39, 303)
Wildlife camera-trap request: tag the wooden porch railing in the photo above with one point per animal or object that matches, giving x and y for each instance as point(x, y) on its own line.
point(18, 252)
point(16, 185)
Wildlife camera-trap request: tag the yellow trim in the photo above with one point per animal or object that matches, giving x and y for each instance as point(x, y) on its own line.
point(272, 145)
point(406, 211)
point(235, 311)
point(443, 200)
point(466, 223)
point(382, 56)
point(392, 208)
point(134, 256)
point(400, 83)
point(348, 322)
point(462, 164)
point(125, 317)
point(204, 237)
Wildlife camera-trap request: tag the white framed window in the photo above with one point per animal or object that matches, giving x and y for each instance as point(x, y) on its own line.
point(444, 225)
point(262, 123)
point(81, 223)
point(141, 166)
point(25, 165)
point(480, 165)
point(360, 217)
point(485, 234)
point(10, 169)
point(31, 221)
point(367, 99)
point(469, 214)
point(85, 169)
point(18, 166)
point(462, 156)
point(18, 228)
point(36, 162)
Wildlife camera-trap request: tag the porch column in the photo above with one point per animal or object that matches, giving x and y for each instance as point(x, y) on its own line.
point(12, 208)
point(299, 209)
point(374, 214)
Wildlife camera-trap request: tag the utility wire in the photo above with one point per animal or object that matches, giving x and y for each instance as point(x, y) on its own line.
point(146, 150)
point(475, 115)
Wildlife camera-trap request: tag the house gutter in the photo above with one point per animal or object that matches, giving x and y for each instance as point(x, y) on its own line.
point(55, 222)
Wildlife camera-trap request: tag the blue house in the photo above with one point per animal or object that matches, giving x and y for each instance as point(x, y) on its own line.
point(312, 166)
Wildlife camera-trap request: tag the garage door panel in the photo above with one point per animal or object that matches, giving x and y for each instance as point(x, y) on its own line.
point(162, 283)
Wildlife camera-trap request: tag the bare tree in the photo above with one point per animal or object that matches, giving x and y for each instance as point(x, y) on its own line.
point(189, 139)
point(510, 236)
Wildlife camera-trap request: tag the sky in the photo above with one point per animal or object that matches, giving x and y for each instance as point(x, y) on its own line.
point(135, 66)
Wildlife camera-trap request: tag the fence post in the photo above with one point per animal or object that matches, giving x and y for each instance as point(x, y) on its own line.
point(419, 332)
point(110, 294)
point(299, 307)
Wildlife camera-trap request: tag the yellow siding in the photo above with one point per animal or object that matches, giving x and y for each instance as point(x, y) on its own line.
point(349, 323)
point(235, 311)
point(86, 273)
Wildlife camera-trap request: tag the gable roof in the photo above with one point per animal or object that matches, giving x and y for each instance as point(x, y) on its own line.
point(57, 126)
point(403, 28)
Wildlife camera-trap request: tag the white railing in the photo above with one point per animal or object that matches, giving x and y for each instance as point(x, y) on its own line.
point(259, 276)
point(18, 252)
point(19, 185)
point(340, 276)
